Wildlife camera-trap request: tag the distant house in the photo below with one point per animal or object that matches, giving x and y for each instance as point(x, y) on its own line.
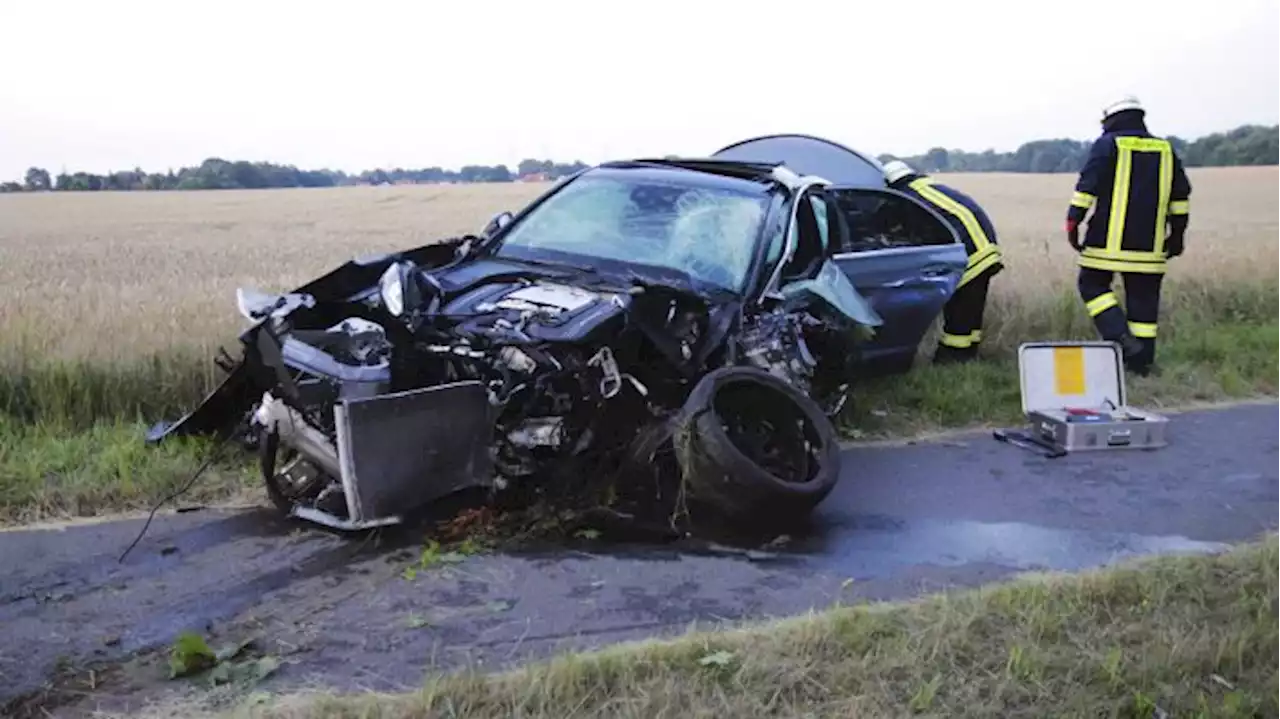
point(534, 177)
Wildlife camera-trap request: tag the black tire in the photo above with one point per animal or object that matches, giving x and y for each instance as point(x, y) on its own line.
point(755, 484)
point(268, 446)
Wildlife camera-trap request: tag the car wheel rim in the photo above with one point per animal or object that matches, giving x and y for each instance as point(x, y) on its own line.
point(769, 430)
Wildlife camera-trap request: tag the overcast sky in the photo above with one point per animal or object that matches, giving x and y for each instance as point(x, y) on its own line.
point(109, 85)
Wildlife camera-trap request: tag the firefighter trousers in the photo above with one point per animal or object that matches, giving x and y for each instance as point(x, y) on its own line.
point(1116, 323)
point(962, 321)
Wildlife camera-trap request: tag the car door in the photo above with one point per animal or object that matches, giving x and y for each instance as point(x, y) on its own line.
point(904, 258)
point(900, 254)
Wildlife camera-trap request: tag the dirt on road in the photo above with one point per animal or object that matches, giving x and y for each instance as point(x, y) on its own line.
point(81, 631)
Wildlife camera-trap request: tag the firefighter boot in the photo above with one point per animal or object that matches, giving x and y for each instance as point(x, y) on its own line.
point(1136, 357)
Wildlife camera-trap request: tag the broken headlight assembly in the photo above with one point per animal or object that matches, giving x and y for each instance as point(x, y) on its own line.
point(399, 289)
point(391, 289)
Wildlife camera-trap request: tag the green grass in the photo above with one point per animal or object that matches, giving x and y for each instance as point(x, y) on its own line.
point(47, 472)
point(1189, 636)
point(79, 394)
point(1208, 363)
point(71, 434)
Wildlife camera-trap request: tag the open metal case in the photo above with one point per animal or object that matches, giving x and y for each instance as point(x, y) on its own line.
point(1073, 393)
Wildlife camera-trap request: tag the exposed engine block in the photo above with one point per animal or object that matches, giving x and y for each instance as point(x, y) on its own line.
point(510, 312)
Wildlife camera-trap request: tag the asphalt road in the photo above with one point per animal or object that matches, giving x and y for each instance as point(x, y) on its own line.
point(903, 520)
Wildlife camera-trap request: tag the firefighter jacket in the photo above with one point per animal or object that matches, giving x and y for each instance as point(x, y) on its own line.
point(1137, 188)
point(966, 216)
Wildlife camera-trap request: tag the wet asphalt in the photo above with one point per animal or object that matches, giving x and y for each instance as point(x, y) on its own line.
point(903, 520)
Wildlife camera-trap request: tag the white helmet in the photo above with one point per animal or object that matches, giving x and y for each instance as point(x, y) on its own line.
point(895, 170)
point(1128, 102)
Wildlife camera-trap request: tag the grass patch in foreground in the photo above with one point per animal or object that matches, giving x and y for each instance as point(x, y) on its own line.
point(50, 473)
point(1193, 636)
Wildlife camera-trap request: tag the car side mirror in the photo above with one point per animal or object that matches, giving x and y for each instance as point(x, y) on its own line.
point(499, 221)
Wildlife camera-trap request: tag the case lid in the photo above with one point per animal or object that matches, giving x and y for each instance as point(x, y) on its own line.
point(1055, 375)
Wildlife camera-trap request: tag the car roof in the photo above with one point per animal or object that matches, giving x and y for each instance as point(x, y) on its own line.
point(808, 155)
point(751, 178)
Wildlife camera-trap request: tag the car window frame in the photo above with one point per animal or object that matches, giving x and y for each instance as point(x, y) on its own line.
point(843, 254)
point(771, 288)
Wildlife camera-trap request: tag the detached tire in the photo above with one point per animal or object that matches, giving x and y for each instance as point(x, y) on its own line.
point(755, 448)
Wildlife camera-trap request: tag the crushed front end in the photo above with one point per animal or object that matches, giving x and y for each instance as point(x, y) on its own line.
point(342, 445)
point(365, 405)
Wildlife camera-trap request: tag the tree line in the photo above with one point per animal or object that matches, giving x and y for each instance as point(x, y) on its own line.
point(218, 174)
point(1245, 145)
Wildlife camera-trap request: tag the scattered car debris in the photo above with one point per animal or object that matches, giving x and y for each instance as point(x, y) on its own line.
point(665, 333)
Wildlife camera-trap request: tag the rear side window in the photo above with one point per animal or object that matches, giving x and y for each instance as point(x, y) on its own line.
point(883, 220)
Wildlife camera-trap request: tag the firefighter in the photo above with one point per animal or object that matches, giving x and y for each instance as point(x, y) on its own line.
point(962, 315)
point(1140, 196)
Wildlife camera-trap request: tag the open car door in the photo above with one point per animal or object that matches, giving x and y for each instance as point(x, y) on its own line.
point(899, 253)
point(904, 259)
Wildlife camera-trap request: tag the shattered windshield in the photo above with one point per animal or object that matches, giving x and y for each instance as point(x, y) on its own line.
point(708, 232)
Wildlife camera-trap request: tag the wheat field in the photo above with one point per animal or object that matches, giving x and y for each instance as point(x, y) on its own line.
point(111, 276)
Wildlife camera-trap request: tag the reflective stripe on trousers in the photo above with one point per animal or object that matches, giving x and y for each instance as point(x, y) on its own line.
point(1139, 319)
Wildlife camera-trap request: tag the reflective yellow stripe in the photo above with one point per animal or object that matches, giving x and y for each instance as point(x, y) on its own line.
point(988, 261)
point(1142, 144)
point(1123, 261)
point(982, 255)
point(1180, 207)
point(960, 342)
point(1101, 303)
point(1119, 196)
point(975, 336)
point(1123, 255)
point(1126, 146)
point(1083, 200)
point(1143, 330)
point(1102, 263)
point(971, 224)
point(1166, 187)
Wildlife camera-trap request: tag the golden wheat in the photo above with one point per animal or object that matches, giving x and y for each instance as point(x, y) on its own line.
point(111, 276)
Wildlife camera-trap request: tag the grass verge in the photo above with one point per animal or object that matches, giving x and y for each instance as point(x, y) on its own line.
point(1206, 363)
point(1182, 636)
point(77, 394)
point(47, 472)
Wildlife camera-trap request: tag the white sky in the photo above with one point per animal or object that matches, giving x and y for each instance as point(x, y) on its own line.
point(104, 86)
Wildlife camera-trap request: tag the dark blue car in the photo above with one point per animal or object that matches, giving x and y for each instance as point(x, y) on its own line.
point(645, 332)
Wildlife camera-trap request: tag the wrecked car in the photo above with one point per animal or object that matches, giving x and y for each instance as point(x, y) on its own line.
point(722, 307)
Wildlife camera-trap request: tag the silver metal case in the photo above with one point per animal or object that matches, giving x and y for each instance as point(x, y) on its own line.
point(1083, 375)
